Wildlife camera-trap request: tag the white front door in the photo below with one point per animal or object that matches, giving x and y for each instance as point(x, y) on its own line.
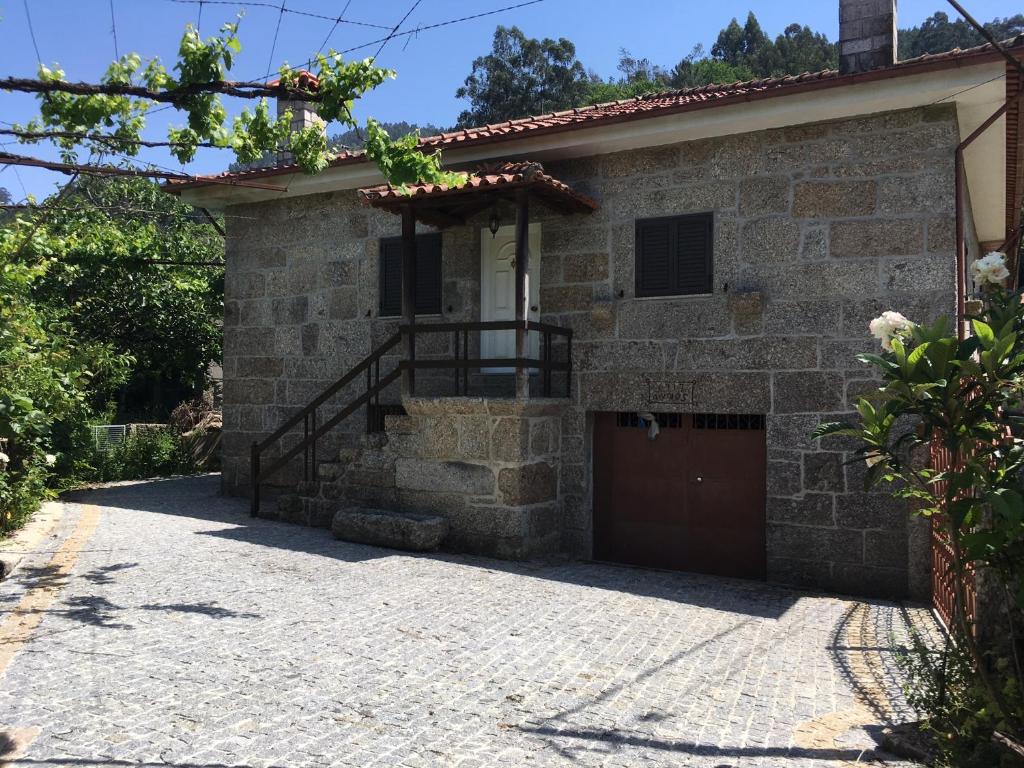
point(498, 291)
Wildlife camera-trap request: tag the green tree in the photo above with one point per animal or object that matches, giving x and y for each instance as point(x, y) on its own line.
point(698, 69)
point(633, 70)
point(640, 76)
point(46, 372)
point(355, 139)
point(800, 49)
point(166, 317)
point(522, 76)
point(937, 33)
point(5, 200)
point(747, 46)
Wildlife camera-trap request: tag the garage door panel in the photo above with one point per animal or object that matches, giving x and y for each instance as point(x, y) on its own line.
point(693, 498)
point(638, 507)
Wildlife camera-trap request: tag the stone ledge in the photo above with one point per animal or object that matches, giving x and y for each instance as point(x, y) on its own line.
point(383, 528)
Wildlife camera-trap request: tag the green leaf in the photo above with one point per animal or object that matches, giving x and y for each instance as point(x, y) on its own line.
point(983, 332)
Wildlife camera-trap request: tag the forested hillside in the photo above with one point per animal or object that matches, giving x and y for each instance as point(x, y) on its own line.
point(523, 76)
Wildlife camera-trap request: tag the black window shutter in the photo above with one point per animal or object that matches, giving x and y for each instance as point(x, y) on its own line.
point(674, 255)
point(653, 258)
point(428, 275)
point(693, 254)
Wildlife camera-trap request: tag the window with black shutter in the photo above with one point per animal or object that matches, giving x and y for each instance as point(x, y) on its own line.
point(674, 255)
point(428, 275)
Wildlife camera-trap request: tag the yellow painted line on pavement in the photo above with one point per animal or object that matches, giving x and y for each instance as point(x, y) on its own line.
point(17, 628)
point(38, 528)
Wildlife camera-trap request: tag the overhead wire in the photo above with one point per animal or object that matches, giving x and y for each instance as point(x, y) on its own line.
point(277, 7)
point(333, 27)
point(32, 32)
point(395, 29)
point(277, 29)
point(113, 29)
point(380, 42)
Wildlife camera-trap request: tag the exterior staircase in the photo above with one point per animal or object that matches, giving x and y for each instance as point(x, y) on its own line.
point(354, 496)
point(361, 492)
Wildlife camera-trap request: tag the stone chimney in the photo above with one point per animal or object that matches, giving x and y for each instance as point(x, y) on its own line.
point(867, 35)
point(303, 112)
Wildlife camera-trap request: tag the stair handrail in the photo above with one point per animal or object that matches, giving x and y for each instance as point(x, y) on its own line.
point(257, 476)
point(377, 384)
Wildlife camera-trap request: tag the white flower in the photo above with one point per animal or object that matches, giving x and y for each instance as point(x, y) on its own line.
point(990, 270)
point(4, 459)
point(50, 459)
point(887, 325)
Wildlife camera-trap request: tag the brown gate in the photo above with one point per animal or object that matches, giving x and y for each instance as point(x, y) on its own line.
point(943, 586)
point(692, 499)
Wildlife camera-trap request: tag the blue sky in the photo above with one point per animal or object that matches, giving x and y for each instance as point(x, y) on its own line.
point(77, 34)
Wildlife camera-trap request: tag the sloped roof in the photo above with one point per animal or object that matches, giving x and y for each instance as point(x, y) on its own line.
point(451, 204)
point(656, 104)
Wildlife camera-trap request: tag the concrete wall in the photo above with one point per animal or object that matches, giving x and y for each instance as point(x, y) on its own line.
point(817, 230)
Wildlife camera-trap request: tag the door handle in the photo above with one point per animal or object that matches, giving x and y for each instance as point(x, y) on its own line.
point(533, 309)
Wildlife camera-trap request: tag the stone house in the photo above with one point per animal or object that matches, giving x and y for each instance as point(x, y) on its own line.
point(680, 283)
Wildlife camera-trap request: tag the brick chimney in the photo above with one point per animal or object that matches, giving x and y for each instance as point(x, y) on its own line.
point(867, 35)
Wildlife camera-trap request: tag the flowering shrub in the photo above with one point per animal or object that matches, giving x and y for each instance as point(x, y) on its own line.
point(990, 270)
point(888, 326)
point(964, 394)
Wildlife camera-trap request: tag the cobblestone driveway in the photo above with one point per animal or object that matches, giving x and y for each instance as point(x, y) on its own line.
point(189, 635)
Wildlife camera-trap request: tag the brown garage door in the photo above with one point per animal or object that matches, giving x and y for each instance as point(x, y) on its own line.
point(691, 499)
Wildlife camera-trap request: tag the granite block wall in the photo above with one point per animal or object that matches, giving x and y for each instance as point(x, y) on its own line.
point(818, 228)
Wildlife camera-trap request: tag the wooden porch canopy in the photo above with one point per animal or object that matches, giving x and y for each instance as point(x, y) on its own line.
point(441, 206)
point(438, 205)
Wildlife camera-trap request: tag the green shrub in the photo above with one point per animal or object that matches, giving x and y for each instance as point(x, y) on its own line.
point(941, 684)
point(155, 452)
point(20, 494)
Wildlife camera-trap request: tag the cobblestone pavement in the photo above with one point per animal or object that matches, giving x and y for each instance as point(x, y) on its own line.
point(187, 634)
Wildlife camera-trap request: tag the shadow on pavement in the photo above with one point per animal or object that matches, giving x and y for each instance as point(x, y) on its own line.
point(199, 497)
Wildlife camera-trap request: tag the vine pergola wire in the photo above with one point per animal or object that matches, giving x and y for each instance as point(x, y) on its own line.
point(107, 116)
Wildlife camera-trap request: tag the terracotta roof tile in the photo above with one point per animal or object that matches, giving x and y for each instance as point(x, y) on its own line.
point(487, 178)
point(652, 104)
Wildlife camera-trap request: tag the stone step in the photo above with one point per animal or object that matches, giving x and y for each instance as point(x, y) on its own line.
point(384, 528)
point(288, 502)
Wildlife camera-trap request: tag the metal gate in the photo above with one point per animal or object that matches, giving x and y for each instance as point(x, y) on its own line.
point(688, 495)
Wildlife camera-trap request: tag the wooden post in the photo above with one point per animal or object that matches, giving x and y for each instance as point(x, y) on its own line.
point(522, 288)
point(409, 295)
point(254, 479)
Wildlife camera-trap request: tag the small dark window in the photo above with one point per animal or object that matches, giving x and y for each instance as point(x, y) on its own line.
point(428, 275)
point(673, 255)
